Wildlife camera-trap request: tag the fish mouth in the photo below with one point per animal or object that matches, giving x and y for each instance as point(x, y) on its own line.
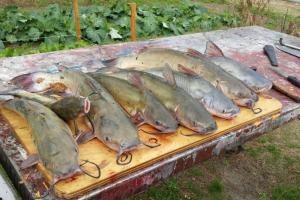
point(70, 174)
point(205, 130)
point(232, 113)
point(248, 103)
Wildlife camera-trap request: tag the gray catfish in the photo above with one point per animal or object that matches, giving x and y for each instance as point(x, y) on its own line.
point(140, 104)
point(56, 148)
point(111, 124)
point(213, 100)
point(187, 110)
point(252, 79)
point(229, 85)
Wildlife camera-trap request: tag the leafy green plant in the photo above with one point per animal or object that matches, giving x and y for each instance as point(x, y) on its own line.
point(99, 24)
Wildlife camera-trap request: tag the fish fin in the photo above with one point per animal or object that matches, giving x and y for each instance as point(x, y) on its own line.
point(110, 62)
point(169, 75)
point(212, 50)
point(30, 161)
point(186, 70)
point(107, 69)
point(137, 119)
point(24, 81)
point(135, 79)
point(143, 49)
point(84, 137)
point(194, 53)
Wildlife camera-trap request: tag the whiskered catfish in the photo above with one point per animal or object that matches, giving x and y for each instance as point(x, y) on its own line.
point(180, 61)
point(187, 110)
point(252, 79)
point(111, 125)
point(212, 99)
point(56, 148)
point(141, 105)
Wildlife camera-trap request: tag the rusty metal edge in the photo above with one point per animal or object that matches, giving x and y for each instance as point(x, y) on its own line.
point(247, 133)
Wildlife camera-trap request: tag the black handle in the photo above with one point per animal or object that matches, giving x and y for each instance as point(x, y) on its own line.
point(294, 80)
point(270, 52)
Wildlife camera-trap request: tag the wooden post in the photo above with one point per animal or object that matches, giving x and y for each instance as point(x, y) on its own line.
point(77, 19)
point(133, 21)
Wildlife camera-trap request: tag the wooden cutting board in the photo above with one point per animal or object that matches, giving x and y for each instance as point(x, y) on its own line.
point(143, 156)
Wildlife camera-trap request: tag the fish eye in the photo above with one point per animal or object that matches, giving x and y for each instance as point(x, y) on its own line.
point(158, 123)
point(224, 111)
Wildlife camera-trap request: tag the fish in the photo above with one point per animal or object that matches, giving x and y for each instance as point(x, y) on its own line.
point(140, 104)
point(213, 100)
point(187, 62)
point(56, 148)
point(68, 108)
point(189, 113)
point(111, 125)
point(252, 79)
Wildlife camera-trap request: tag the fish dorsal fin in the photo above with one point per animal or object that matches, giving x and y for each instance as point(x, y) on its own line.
point(169, 75)
point(30, 161)
point(212, 50)
point(135, 79)
point(194, 53)
point(110, 62)
point(143, 49)
point(186, 70)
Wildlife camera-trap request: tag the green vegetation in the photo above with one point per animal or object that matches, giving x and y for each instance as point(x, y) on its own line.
point(54, 26)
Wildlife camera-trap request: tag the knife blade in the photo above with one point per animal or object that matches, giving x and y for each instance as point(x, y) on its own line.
point(288, 50)
point(292, 79)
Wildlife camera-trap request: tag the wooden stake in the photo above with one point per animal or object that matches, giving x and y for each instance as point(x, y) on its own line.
point(133, 21)
point(77, 19)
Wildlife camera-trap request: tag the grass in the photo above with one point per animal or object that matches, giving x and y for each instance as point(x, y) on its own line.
point(286, 193)
point(267, 169)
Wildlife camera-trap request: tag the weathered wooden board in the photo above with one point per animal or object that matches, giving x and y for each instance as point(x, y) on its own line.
point(171, 144)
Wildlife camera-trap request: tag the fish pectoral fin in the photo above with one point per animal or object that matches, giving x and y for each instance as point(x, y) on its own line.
point(30, 161)
point(137, 119)
point(84, 137)
point(169, 75)
point(194, 53)
point(186, 70)
point(212, 50)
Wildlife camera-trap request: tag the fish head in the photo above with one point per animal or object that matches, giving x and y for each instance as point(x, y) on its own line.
point(39, 81)
point(196, 118)
point(157, 115)
point(117, 131)
point(61, 167)
point(239, 93)
point(126, 145)
point(222, 107)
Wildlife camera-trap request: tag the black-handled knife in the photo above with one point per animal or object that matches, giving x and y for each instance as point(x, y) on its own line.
point(292, 79)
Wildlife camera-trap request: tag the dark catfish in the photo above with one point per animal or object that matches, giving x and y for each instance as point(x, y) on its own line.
point(56, 148)
point(140, 104)
point(111, 124)
point(187, 110)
